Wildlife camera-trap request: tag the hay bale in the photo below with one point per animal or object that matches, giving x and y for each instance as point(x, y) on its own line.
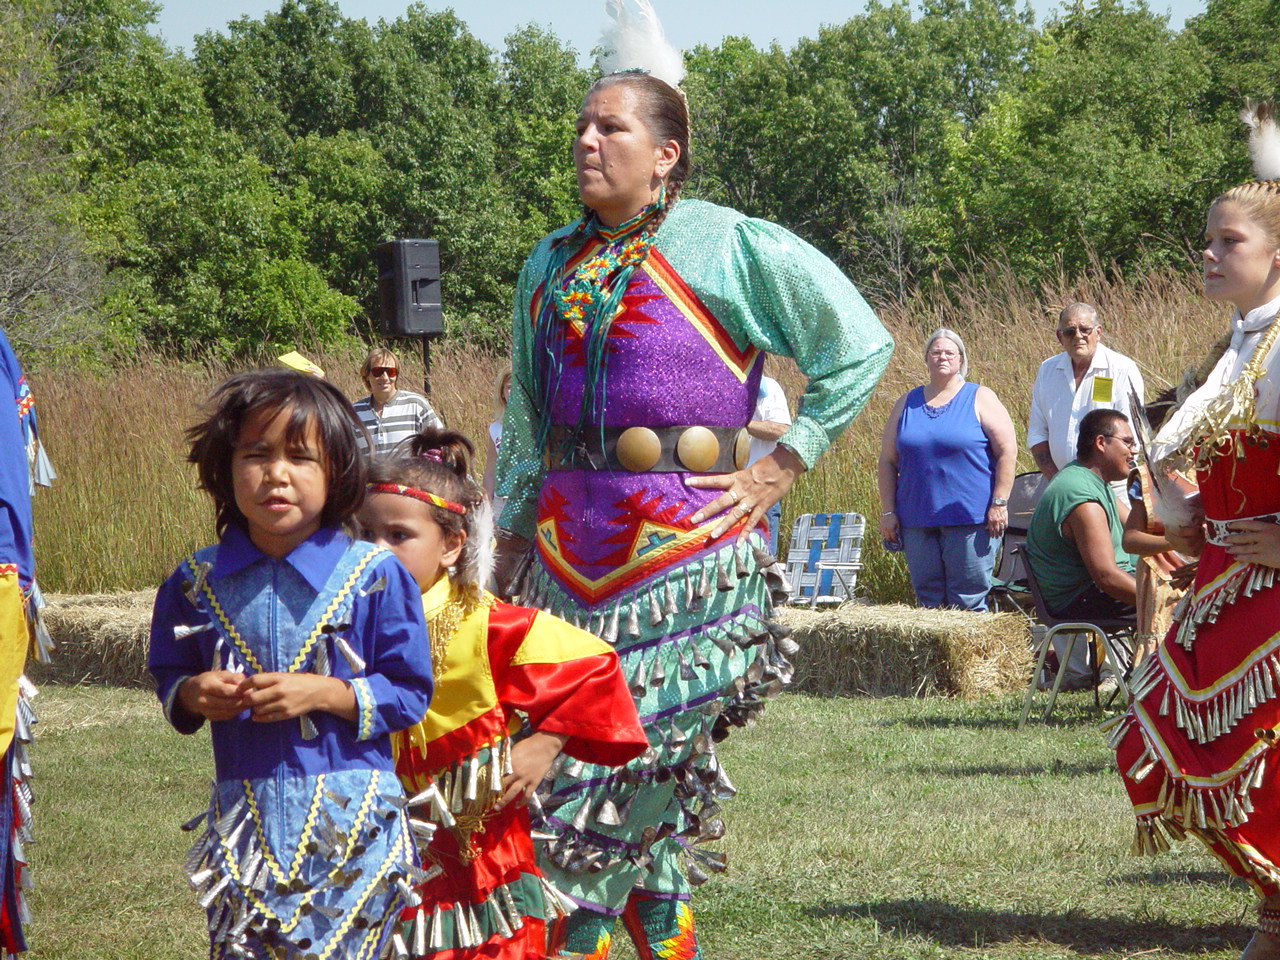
point(900, 651)
point(100, 638)
point(855, 650)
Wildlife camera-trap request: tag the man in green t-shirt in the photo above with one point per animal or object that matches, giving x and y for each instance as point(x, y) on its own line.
point(1073, 541)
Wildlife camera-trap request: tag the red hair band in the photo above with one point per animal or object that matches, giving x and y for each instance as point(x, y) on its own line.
point(401, 490)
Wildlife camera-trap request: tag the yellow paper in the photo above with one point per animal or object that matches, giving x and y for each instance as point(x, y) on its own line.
point(1102, 389)
point(296, 361)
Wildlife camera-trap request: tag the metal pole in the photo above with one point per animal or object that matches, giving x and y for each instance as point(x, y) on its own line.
point(426, 367)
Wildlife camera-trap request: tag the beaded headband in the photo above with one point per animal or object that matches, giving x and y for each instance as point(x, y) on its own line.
point(401, 490)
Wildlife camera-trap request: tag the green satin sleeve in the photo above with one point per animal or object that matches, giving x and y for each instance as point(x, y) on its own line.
point(782, 295)
point(520, 463)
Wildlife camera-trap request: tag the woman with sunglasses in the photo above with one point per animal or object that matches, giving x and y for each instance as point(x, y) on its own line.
point(390, 415)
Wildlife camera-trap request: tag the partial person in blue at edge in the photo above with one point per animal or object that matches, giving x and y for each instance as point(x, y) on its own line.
point(305, 649)
point(947, 460)
point(768, 423)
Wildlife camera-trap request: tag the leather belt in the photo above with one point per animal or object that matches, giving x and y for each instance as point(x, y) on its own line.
point(680, 449)
point(1219, 529)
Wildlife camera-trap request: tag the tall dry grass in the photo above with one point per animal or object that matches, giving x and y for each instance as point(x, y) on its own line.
point(125, 507)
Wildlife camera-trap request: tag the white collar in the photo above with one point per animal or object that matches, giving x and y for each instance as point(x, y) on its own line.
point(1259, 318)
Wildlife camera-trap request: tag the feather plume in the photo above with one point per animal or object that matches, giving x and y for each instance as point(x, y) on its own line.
point(635, 41)
point(1264, 138)
point(476, 563)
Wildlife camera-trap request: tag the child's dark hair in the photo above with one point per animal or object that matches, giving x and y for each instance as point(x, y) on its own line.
point(438, 461)
point(309, 401)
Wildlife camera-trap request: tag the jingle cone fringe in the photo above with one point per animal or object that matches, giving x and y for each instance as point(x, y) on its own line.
point(691, 685)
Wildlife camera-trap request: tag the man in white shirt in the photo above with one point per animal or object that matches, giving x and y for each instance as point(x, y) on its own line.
point(769, 422)
point(1085, 376)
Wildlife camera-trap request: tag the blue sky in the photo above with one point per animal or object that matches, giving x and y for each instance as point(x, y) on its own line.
point(687, 22)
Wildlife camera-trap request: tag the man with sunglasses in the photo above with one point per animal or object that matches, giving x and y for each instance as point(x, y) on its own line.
point(1074, 538)
point(1085, 376)
point(390, 415)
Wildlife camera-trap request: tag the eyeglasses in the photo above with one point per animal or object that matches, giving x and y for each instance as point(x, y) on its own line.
point(943, 354)
point(1070, 332)
point(388, 372)
point(1130, 442)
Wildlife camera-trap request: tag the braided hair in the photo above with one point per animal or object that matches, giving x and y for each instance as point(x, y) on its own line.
point(1260, 199)
point(439, 461)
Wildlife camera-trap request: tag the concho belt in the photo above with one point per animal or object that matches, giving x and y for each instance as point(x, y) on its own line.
point(683, 449)
point(1218, 530)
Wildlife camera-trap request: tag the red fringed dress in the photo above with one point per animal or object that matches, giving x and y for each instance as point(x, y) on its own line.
point(503, 665)
point(1195, 749)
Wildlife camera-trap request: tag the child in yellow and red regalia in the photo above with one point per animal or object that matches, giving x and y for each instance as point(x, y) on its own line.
point(497, 668)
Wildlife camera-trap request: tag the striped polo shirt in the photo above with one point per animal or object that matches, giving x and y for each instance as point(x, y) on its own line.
point(403, 415)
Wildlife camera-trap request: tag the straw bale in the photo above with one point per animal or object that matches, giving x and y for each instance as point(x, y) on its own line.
point(888, 650)
point(899, 651)
point(100, 638)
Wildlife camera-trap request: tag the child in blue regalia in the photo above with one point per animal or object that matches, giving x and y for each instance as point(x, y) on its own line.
point(306, 650)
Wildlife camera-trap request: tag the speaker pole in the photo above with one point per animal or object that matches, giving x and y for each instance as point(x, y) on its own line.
point(426, 367)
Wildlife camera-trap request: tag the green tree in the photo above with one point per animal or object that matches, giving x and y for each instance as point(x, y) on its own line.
point(48, 278)
point(1099, 152)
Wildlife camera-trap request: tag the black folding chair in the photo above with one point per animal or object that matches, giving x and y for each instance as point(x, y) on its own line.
point(1112, 636)
point(1009, 583)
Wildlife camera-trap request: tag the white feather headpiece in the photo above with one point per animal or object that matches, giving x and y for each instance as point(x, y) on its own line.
point(1264, 138)
point(635, 41)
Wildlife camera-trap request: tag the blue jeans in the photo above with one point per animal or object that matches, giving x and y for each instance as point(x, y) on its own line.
point(950, 566)
point(774, 515)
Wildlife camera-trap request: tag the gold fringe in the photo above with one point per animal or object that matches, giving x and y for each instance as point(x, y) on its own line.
point(1209, 436)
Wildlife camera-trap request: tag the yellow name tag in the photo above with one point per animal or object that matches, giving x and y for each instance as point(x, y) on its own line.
point(1102, 389)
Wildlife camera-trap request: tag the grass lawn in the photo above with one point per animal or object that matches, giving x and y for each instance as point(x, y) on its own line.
point(863, 828)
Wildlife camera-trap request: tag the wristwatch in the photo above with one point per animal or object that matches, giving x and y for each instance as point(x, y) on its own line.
point(999, 501)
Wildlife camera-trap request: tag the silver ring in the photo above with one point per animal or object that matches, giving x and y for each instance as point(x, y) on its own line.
point(736, 496)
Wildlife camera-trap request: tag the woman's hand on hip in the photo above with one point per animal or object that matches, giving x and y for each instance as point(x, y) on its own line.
point(747, 493)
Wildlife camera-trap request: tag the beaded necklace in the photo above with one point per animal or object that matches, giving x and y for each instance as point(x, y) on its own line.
point(589, 295)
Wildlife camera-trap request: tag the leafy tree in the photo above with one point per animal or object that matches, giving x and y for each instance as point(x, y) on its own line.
point(1098, 151)
point(47, 277)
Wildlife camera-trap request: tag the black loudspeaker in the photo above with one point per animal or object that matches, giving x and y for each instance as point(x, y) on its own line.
point(409, 288)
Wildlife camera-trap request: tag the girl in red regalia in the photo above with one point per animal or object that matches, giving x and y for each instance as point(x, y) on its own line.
point(1194, 749)
point(497, 667)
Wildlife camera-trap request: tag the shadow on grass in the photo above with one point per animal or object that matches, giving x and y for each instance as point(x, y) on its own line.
point(1053, 768)
point(1059, 720)
point(1184, 878)
point(949, 925)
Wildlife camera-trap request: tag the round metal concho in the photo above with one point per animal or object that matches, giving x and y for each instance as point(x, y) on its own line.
point(698, 449)
point(638, 449)
point(741, 449)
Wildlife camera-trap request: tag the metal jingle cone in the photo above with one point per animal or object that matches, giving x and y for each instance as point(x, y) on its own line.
point(308, 727)
point(659, 675)
point(639, 682)
point(376, 587)
point(607, 813)
point(655, 609)
point(182, 631)
point(354, 660)
point(687, 673)
point(419, 932)
point(633, 620)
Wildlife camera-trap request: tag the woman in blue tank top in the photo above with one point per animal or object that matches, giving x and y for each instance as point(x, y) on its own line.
point(946, 466)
